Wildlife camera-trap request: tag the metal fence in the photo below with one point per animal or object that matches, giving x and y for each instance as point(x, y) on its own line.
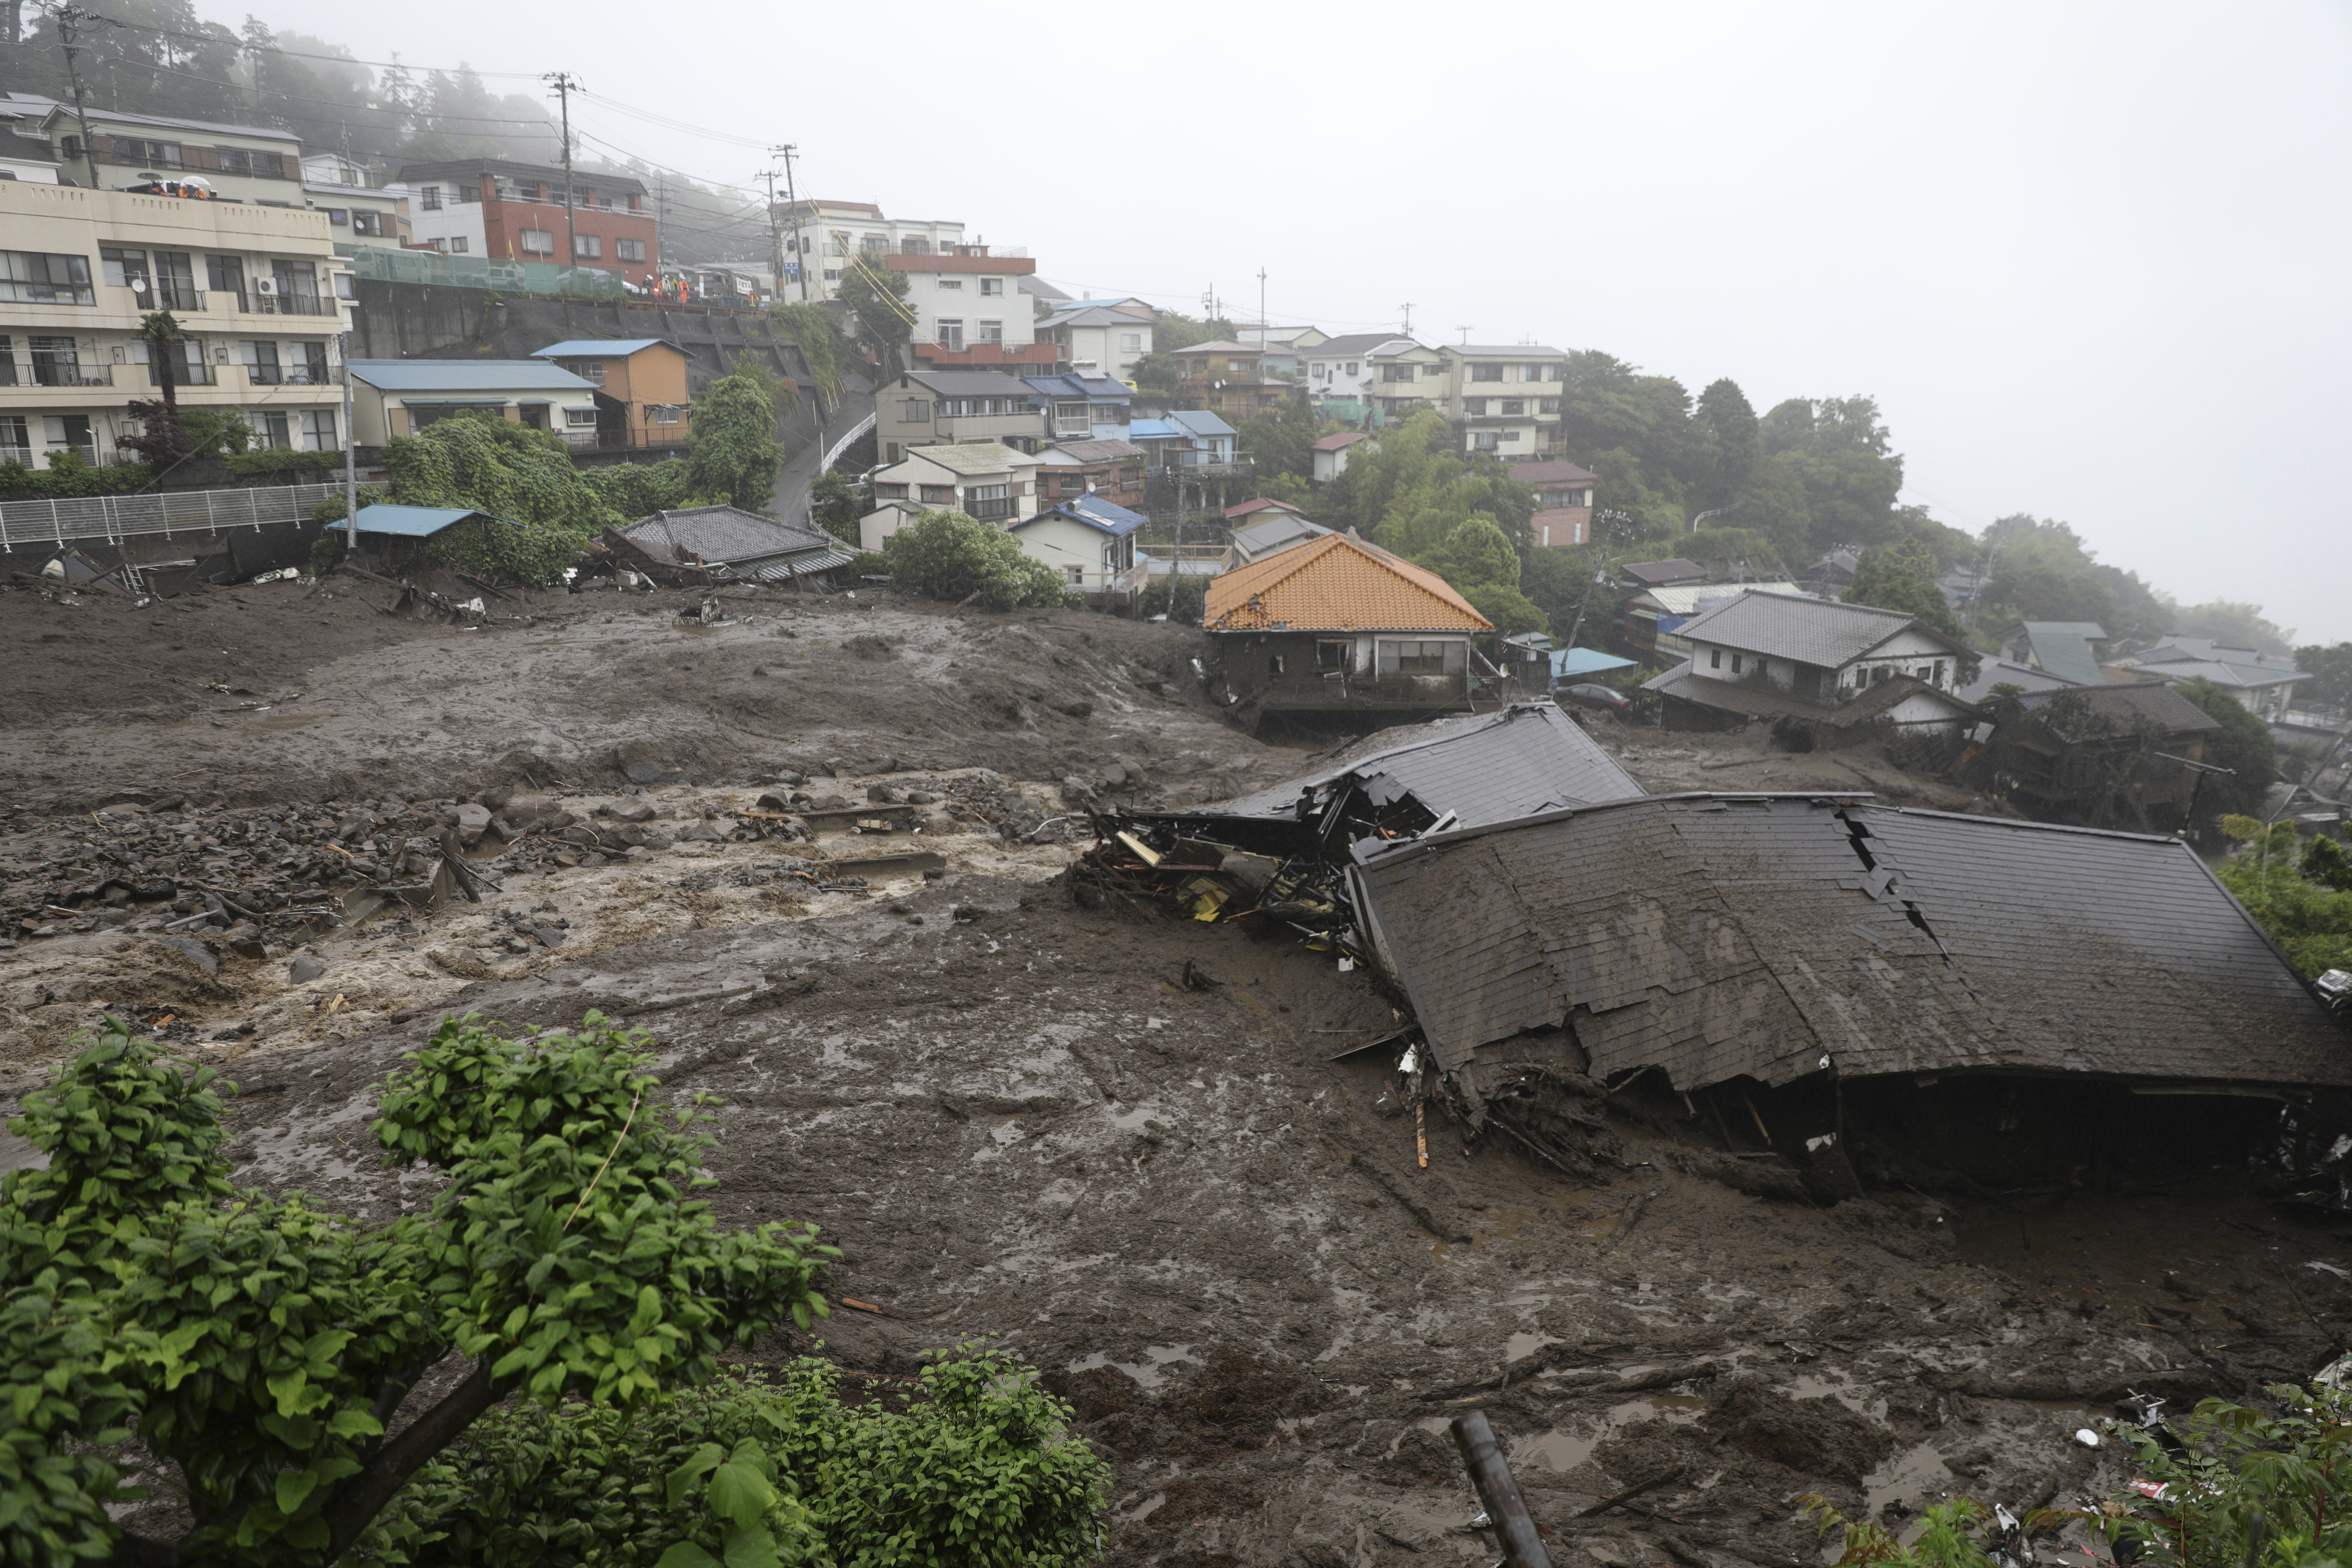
point(116, 518)
point(390, 266)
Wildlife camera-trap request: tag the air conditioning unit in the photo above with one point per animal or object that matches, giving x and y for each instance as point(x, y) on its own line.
point(265, 285)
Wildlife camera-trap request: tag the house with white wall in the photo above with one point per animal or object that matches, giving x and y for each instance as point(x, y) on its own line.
point(1098, 339)
point(983, 479)
point(1768, 654)
point(825, 234)
point(1385, 374)
point(1504, 398)
point(1089, 540)
point(970, 313)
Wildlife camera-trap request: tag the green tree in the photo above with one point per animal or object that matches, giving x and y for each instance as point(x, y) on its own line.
point(1733, 443)
point(1282, 440)
point(731, 450)
point(2330, 669)
point(1843, 457)
point(1478, 558)
point(260, 1343)
point(2239, 625)
point(876, 294)
point(2042, 571)
point(2244, 745)
point(948, 555)
point(1903, 577)
point(836, 502)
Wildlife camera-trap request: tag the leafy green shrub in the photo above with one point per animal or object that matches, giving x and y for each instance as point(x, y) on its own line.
point(258, 1342)
point(823, 345)
point(948, 555)
point(632, 492)
point(1182, 599)
point(2304, 900)
point(67, 477)
point(326, 553)
point(281, 460)
point(977, 1466)
point(731, 450)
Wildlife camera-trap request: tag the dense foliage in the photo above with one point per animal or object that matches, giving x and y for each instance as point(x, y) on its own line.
point(876, 296)
point(2299, 891)
point(835, 503)
point(948, 555)
point(259, 1343)
point(822, 344)
point(2330, 669)
point(2244, 745)
point(974, 1465)
point(1903, 577)
point(731, 451)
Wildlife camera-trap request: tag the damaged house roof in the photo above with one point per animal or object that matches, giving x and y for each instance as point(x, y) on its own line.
point(1527, 758)
point(747, 543)
point(1714, 937)
point(1825, 632)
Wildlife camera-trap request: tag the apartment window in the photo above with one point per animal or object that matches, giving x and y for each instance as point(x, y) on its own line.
point(298, 285)
point(665, 413)
point(70, 431)
point(629, 249)
point(1351, 367)
point(428, 198)
point(1078, 575)
point(588, 248)
point(1485, 441)
point(939, 495)
point(988, 502)
point(1486, 372)
point(314, 363)
point(339, 217)
point(270, 428)
point(1715, 658)
point(889, 492)
point(950, 334)
point(832, 275)
point(537, 241)
point(873, 244)
point(467, 193)
point(1509, 437)
point(56, 362)
point(992, 286)
point(16, 441)
point(919, 411)
point(1543, 373)
point(1736, 660)
point(7, 367)
point(367, 223)
point(1130, 342)
point(1547, 405)
point(1512, 405)
point(261, 366)
point(225, 274)
point(121, 266)
point(235, 161)
point(1398, 371)
point(951, 284)
point(1335, 655)
point(1070, 419)
point(319, 431)
point(1475, 407)
point(911, 247)
point(31, 278)
point(991, 332)
point(458, 245)
point(1420, 658)
point(590, 370)
point(579, 418)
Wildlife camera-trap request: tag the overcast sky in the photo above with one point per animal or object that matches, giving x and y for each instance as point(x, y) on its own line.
point(2090, 258)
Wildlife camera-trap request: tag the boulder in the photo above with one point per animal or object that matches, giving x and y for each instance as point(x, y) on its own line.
point(630, 811)
point(473, 821)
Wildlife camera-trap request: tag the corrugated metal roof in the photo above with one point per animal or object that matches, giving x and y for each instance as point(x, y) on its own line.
point(1108, 450)
point(467, 376)
point(1275, 533)
point(415, 522)
point(970, 382)
point(1344, 438)
point(1491, 767)
point(1200, 422)
point(724, 534)
point(1715, 937)
point(2063, 649)
point(1995, 672)
point(604, 347)
point(806, 564)
point(1811, 631)
point(1073, 386)
point(1094, 511)
point(1337, 584)
point(1686, 598)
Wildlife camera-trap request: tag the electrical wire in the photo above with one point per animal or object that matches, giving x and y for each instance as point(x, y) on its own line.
point(244, 47)
point(667, 123)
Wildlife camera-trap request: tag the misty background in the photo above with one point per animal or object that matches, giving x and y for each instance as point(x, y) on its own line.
point(2085, 259)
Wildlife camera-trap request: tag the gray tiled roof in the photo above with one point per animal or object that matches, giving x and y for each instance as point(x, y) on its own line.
point(1716, 936)
point(720, 534)
point(1809, 631)
point(2063, 649)
point(2076, 712)
point(1526, 758)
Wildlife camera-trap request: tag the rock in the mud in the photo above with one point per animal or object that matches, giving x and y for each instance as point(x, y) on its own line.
point(789, 778)
point(1075, 790)
point(630, 811)
point(644, 774)
point(304, 968)
point(473, 821)
point(196, 952)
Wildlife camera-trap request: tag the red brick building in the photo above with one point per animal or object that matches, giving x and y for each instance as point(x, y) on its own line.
point(505, 211)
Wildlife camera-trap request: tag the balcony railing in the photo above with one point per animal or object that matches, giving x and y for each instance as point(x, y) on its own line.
point(49, 374)
point(186, 374)
point(253, 301)
point(22, 455)
point(172, 294)
point(991, 510)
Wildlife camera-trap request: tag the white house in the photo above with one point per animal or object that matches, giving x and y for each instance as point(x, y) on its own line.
point(1384, 371)
point(1763, 654)
point(1098, 339)
point(988, 480)
point(1504, 398)
point(401, 396)
point(1332, 452)
point(1089, 541)
point(825, 234)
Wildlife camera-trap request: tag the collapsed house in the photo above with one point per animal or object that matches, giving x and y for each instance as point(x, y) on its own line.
point(704, 544)
point(2102, 756)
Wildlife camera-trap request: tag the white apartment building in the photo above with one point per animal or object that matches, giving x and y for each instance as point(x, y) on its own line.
point(1099, 340)
point(823, 235)
point(1504, 398)
point(249, 163)
point(257, 292)
point(1387, 372)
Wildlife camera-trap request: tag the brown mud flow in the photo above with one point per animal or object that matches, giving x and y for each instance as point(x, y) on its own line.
point(1116, 1138)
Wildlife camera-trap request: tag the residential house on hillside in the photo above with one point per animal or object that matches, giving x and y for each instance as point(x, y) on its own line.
point(820, 236)
point(163, 155)
point(1831, 669)
point(1563, 502)
point(1270, 533)
point(642, 400)
point(1286, 347)
point(401, 396)
point(712, 544)
point(984, 480)
point(2264, 683)
point(1192, 442)
point(1227, 378)
point(1090, 541)
point(1340, 625)
point(509, 211)
point(2067, 649)
point(1652, 619)
point(1082, 407)
point(1665, 573)
point(2017, 677)
point(968, 312)
point(1098, 339)
point(360, 213)
point(83, 267)
point(1331, 454)
point(1505, 399)
point(934, 408)
point(1111, 469)
point(1242, 514)
point(2098, 757)
point(1374, 376)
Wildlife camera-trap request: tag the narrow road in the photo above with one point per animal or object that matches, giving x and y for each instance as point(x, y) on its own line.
point(805, 461)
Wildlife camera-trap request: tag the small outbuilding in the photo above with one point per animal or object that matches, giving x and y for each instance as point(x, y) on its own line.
point(725, 543)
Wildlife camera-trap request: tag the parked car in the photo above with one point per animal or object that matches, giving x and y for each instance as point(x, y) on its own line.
point(1587, 696)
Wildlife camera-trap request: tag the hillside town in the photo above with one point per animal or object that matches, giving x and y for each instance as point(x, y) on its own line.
point(1312, 948)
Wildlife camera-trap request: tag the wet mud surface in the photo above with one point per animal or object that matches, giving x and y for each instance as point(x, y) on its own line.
point(1117, 1139)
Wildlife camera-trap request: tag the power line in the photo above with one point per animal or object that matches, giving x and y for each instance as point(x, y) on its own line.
point(667, 123)
point(225, 36)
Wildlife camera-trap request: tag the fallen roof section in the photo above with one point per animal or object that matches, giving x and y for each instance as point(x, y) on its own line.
point(1716, 937)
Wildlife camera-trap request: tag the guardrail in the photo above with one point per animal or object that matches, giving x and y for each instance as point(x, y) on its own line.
point(116, 518)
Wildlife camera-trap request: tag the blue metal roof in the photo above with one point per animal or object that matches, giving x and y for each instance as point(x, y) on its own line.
point(415, 522)
point(1566, 662)
point(602, 348)
point(1154, 430)
point(1080, 387)
point(1201, 422)
point(467, 376)
point(1095, 513)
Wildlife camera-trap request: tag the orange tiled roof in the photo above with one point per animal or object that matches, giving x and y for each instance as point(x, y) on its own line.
point(1337, 583)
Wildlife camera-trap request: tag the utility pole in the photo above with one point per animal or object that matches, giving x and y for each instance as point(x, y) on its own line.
point(775, 235)
point(1408, 318)
point(564, 88)
point(1466, 335)
point(65, 17)
point(800, 229)
point(351, 456)
point(1261, 308)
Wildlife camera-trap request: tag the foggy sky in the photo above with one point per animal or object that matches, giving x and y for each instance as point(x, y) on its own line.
point(2090, 258)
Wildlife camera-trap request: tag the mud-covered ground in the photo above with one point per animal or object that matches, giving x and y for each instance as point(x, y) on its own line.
point(1115, 1138)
